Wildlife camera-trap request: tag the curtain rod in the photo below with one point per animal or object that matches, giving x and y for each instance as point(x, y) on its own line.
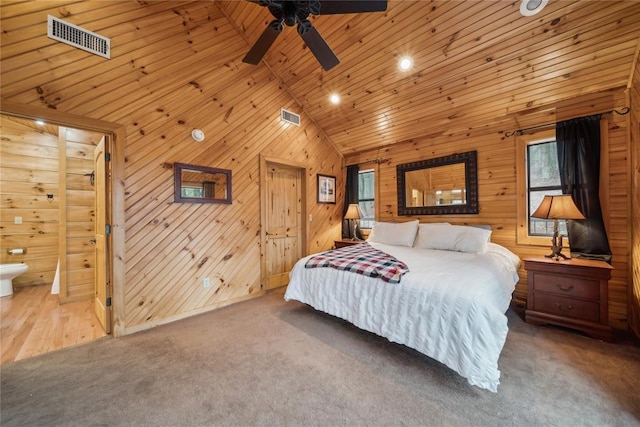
point(376, 161)
point(625, 110)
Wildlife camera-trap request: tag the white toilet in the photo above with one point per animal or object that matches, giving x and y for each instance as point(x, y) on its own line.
point(7, 273)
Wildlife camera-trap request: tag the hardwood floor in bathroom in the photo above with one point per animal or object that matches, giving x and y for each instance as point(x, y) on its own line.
point(33, 322)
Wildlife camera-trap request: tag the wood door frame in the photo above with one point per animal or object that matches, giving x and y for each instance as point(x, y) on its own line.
point(115, 212)
point(264, 161)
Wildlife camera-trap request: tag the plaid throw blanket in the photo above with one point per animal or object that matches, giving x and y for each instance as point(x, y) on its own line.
point(362, 259)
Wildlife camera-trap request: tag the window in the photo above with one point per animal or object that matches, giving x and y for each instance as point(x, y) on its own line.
point(366, 198)
point(537, 175)
point(190, 191)
point(543, 178)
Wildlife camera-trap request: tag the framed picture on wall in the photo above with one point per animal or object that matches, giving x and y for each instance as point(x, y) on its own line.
point(326, 189)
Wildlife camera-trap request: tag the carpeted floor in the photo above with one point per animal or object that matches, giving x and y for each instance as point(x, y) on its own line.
point(269, 362)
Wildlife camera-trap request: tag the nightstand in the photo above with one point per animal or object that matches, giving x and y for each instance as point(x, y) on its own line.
point(570, 293)
point(345, 242)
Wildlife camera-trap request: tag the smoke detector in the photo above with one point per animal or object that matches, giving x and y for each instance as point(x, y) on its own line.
point(197, 135)
point(531, 7)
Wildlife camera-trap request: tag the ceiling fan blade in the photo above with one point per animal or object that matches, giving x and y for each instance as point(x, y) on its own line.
point(333, 7)
point(319, 47)
point(263, 44)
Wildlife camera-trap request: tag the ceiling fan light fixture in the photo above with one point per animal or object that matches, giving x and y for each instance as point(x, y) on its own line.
point(532, 7)
point(290, 12)
point(405, 63)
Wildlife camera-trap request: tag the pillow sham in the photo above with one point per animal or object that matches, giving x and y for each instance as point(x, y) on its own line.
point(458, 238)
point(394, 233)
point(433, 235)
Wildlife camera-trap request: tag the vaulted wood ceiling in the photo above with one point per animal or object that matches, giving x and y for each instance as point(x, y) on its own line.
point(477, 64)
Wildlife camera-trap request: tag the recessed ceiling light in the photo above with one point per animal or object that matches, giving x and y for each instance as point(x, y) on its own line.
point(405, 63)
point(40, 122)
point(531, 7)
point(334, 98)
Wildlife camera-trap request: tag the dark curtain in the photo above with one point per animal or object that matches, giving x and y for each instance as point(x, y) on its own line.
point(350, 196)
point(578, 143)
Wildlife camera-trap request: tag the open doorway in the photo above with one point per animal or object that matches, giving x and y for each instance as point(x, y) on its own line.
point(75, 306)
point(50, 182)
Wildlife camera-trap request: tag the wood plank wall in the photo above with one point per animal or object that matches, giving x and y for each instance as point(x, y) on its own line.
point(634, 280)
point(497, 170)
point(174, 68)
point(28, 172)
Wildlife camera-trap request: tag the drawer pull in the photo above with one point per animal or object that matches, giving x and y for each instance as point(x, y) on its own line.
point(561, 307)
point(563, 288)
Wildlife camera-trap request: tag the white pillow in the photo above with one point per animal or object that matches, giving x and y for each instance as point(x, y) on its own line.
point(458, 238)
point(394, 233)
point(433, 235)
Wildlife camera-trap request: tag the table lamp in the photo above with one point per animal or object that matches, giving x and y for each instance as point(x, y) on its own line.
point(354, 212)
point(556, 208)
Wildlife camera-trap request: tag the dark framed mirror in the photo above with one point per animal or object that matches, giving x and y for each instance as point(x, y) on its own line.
point(441, 186)
point(200, 184)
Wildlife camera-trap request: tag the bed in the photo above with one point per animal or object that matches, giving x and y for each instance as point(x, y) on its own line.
point(449, 305)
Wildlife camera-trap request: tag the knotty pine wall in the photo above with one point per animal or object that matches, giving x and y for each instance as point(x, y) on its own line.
point(497, 171)
point(28, 172)
point(634, 280)
point(174, 67)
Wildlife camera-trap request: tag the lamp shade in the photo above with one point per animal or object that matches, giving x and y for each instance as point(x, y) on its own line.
point(353, 212)
point(558, 207)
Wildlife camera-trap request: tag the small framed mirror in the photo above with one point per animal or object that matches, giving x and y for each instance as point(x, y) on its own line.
point(441, 186)
point(200, 184)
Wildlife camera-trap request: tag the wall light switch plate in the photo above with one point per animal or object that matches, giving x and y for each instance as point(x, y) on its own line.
point(17, 220)
point(206, 282)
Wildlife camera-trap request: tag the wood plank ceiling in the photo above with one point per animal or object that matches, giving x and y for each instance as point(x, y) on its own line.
point(477, 64)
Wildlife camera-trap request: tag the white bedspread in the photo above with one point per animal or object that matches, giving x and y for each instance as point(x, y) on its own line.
point(450, 306)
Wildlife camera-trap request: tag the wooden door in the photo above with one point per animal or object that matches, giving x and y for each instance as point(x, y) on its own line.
point(103, 310)
point(283, 223)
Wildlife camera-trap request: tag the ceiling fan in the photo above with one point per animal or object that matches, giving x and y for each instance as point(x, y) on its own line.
point(289, 12)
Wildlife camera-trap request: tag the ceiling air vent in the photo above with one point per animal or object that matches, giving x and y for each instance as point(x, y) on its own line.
point(289, 117)
point(73, 35)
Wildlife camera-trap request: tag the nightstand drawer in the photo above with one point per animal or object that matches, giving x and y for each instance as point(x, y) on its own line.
point(569, 286)
point(567, 307)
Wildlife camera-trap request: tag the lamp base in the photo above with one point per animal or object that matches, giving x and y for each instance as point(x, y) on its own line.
point(556, 248)
point(355, 232)
point(557, 256)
